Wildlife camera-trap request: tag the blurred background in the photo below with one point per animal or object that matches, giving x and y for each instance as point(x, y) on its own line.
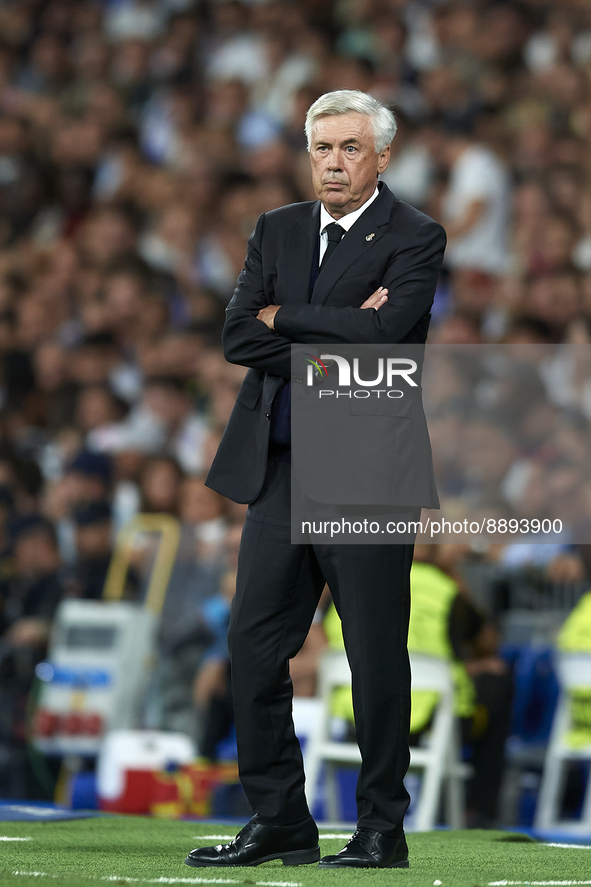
point(139, 142)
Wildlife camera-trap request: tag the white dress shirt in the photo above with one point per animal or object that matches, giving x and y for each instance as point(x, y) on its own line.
point(345, 222)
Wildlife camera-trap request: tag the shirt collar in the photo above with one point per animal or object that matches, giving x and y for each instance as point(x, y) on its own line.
point(349, 220)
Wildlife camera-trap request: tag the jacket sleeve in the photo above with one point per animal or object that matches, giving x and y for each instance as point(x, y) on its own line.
point(411, 279)
point(246, 340)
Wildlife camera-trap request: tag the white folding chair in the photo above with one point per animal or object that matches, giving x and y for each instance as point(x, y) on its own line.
point(574, 672)
point(333, 672)
point(439, 759)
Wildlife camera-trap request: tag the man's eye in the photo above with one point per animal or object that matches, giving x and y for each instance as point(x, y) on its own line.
point(350, 149)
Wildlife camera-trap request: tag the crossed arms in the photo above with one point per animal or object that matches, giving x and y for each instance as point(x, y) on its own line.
point(260, 335)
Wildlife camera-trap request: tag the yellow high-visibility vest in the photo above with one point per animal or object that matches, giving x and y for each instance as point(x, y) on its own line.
point(432, 594)
point(575, 637)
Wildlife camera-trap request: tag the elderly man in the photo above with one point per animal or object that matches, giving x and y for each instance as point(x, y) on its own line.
point(356, 266)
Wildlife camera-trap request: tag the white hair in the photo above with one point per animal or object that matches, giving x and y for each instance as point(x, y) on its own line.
point(353, 101)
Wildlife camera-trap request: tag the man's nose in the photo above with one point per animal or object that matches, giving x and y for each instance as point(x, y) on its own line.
point(335, 162)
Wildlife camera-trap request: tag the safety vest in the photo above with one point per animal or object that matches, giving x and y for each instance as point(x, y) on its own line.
point(575, 634)
point(575, 637)
point(432, 594)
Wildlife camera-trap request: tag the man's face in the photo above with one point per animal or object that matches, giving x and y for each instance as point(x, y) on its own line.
point(345, 165)
point(94, 540)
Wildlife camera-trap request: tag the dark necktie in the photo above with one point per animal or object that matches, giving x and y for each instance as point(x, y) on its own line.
point(335, 233)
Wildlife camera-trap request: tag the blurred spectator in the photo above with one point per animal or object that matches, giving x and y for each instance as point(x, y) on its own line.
point(476, 207)
point(97, 406)
point(411, 171)
point(93, 541)
point(29, 596)
point(473, 641)
point(159, 483)
point(185, 428)
point(212, 692)
point(87, 478)
point(6, 512)
point(56, 387)
point(196, 610)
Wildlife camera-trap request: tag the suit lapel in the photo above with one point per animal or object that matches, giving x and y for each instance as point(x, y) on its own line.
point(299, 254)
point(368, 230)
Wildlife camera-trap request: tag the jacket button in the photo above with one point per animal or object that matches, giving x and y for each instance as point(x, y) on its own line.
point(268, 415)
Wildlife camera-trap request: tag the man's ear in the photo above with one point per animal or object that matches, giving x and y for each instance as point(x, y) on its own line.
point(384, 159)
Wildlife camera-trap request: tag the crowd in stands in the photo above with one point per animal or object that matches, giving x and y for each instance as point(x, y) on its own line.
point(139, 142)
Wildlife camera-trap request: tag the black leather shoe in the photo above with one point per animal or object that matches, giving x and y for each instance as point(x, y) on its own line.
point(256, 843)
point(370, 850)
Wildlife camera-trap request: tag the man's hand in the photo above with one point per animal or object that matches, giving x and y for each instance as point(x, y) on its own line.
point(267, 315)
point(377, 299)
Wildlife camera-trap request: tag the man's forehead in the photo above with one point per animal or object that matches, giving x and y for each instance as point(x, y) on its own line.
point(341, 127)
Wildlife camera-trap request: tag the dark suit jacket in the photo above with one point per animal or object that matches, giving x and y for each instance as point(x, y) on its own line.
point(404, 254)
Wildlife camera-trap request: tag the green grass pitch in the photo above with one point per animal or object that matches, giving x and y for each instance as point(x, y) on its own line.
point(133, 850)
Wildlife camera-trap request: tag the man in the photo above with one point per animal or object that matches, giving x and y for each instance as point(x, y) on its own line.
point(300, 284)
point(476, 206)
point(28, 600)
point(93, 536)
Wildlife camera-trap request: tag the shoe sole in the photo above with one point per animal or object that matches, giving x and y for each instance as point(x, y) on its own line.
point(347, 865)
point(292, 857)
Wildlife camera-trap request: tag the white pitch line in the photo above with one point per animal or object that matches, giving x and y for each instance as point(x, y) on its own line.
point(6, 838)
point(164, 880)
point(538, 883)
point(570, 846)
point(278, 884)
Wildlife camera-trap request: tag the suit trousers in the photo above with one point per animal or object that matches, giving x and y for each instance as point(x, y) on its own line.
point(277, 593)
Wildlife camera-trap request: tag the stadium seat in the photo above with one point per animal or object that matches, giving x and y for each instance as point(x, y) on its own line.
point(569, 741)
point(439, 759)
